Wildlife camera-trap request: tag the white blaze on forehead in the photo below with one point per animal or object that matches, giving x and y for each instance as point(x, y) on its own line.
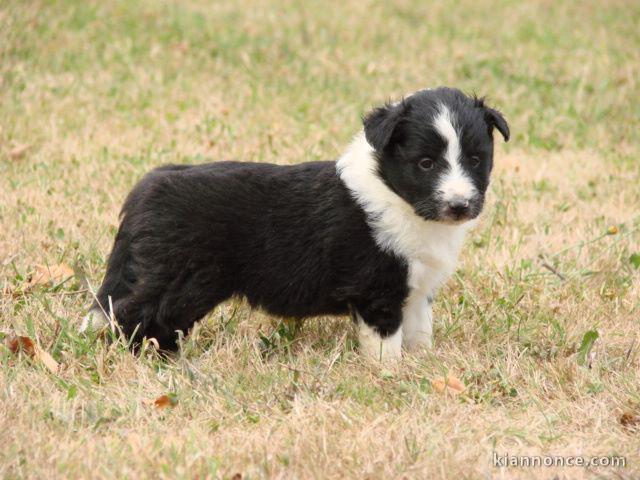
point(455, 182)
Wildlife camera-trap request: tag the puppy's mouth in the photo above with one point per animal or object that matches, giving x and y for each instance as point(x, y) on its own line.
point(451, 213)
point(456, 216)
point(452, 219)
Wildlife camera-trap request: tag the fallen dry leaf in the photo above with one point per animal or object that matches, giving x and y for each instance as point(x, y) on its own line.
point(18, 151)
point(47, 360)
point(630, 420)
point(450, 384)
point(163, 401)
point(50, 274)
point(18, 344)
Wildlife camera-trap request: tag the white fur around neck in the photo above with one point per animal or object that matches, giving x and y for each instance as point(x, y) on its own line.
point(430, 248)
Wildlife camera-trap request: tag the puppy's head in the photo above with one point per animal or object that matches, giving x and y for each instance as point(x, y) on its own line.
point(435, 150)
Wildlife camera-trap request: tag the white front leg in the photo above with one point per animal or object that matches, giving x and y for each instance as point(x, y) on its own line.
point(417, 322)
point(375, 347)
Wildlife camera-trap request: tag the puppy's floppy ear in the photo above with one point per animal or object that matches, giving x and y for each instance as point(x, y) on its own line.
point(495, 119)
point(380, 123)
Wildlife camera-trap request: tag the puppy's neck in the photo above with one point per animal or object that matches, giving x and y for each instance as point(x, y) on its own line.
point(396, 226)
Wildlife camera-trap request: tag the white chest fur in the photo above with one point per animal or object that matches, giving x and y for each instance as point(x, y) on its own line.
point(429, 248)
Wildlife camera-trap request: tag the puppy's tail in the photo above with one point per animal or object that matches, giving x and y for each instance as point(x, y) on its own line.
point(116, 286)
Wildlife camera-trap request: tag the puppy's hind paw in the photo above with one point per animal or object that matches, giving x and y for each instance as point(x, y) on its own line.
point(93, 321)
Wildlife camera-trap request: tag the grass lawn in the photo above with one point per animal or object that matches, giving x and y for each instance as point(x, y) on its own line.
point(93, 94)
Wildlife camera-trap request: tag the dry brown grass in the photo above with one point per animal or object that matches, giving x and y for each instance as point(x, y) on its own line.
point(94, 94)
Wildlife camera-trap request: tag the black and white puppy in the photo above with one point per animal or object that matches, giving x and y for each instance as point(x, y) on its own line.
point(375, 233)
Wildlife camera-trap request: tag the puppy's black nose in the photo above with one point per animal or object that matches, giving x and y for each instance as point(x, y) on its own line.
point(458, 207)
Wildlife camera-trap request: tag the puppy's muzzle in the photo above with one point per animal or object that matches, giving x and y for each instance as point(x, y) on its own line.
point(457, 208)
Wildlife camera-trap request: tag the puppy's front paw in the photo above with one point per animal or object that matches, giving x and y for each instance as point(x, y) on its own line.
point(418, 341)
point(375, 347)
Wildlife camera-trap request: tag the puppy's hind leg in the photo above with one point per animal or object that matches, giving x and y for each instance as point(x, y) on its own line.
point(93, 321)
point(188, 298)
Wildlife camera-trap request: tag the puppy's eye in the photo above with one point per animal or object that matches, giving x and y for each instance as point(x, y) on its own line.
point(426, 164)
point(475, 161)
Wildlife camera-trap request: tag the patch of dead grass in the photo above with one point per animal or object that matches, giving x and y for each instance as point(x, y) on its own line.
point(99, 101)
